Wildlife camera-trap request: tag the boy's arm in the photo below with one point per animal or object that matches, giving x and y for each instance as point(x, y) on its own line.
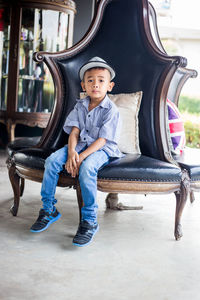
point(111, 126)
point(73, 157)
point(74, 160)
point(95, 146)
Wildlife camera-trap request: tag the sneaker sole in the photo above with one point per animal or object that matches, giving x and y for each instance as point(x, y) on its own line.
point(82, 245)
point(50, 222)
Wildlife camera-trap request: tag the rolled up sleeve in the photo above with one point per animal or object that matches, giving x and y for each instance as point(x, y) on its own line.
point(72, 120)
point(111, 127)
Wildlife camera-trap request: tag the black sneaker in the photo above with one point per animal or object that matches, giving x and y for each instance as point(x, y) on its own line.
point(44, 220)
point(85, 234)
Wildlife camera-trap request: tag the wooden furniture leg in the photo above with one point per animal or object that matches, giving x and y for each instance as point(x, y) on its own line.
point(22, 184)
point(112, 203)
point(112, 200)
point(192, 198)
point(181, 198)
point(11, 130)
point(79, 198)
point(15, 182)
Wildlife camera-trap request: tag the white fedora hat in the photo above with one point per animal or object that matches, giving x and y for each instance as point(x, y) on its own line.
point(96, 62)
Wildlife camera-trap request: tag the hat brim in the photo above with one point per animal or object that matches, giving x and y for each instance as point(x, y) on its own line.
point(95, 64)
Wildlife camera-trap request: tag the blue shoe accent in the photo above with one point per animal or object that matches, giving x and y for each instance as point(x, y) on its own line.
point(85, 234)
point(45, 220)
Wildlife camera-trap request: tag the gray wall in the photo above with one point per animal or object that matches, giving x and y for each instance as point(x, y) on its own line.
point(83, 18)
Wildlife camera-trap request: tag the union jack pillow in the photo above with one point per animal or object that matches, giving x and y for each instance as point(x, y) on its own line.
point(176, 128)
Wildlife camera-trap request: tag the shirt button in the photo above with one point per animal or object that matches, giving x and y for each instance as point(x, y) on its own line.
point(87, 130)
point(84, 139)
point(88, 116)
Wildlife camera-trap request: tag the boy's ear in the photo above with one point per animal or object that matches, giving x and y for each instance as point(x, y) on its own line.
point(83, 86)
point(111, 86)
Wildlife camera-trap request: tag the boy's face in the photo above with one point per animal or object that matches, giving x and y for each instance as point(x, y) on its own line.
point(97, 83)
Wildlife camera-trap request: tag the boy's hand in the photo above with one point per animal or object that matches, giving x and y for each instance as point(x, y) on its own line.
point(72, 163)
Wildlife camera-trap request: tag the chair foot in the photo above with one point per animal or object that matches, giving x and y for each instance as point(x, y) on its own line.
point(178, 232)
point(112, 203)
point(121, 206)
point(14, 210)
point(112, 200)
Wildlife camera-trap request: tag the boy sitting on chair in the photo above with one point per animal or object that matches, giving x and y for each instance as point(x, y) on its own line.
point(93, 127)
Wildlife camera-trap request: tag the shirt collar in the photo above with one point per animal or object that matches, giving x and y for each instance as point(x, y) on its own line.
point(105, 103)
point(85, 101)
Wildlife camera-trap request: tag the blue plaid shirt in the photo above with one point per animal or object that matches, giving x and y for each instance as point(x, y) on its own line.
point(101, 122)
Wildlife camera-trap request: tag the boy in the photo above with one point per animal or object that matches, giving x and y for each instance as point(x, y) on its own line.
point(93, 128)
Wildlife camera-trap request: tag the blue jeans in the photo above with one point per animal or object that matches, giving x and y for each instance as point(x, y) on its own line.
point(87, 178)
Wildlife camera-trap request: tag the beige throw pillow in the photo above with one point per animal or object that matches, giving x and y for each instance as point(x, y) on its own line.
point(128, 106)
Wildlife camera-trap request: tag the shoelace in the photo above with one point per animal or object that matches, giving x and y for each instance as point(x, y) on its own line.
point(84, 228)
point(43, 219)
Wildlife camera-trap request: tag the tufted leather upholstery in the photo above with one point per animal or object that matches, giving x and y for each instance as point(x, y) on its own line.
point(32, 158)
point(132, 167)
point(21, 143)
point(140, 168)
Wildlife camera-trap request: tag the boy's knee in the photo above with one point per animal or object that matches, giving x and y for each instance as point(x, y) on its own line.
point(51, 162)
point(86, 170)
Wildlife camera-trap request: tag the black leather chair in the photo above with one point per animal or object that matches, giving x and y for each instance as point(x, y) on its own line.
point(121, 34)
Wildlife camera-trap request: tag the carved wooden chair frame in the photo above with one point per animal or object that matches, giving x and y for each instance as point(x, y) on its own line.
point(18, 172)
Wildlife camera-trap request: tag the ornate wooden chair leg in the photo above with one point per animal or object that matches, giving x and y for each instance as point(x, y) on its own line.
point(112, 200)
point(22, 183)
point(181, 198)
point(15, 182)
point(192, 198)
point(79, 198)
point(112, 203)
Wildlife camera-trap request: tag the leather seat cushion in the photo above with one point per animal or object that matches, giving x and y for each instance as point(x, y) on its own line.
point(137, 167)
point(190, 160)
point(33, 158)
point(21, 143)
point(132, 167)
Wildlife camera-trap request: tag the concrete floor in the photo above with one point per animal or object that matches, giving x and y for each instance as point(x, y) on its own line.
point(134, 255)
